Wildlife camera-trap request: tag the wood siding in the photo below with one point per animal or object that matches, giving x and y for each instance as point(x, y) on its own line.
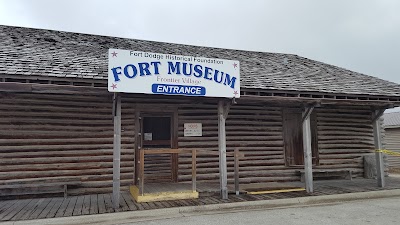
point(392, 140)
point(54, 137)
point(46, 138)
point(345, 134)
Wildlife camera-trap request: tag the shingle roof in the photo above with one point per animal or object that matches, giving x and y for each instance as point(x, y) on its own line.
point(391, 119)
point(27, 51)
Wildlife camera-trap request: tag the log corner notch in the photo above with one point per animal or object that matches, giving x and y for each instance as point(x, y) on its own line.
point(116, 150)
point(376, 114)
point(308, 174)
point(223, 110)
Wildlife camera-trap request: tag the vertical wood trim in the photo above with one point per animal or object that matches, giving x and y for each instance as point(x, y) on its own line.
point(236, 157)
point(117, 150)
point(194, 170)
point(137, 146)
point(223, 173)
point(141, 179)
point(314, 138)
point(378, 146)
point(174, 144)
point(307, 152)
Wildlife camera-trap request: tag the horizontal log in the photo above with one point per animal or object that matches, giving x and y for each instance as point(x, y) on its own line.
point(63, 166)
point(61, 160)
point(32, 148)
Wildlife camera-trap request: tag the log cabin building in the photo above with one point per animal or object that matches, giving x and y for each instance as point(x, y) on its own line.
point(57, 116)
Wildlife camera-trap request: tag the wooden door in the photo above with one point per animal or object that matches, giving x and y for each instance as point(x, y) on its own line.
point(156, 131)
point(293, 138)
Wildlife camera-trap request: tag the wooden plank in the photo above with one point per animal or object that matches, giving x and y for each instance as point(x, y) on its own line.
point(94, 209)
point(165, 151)
point(4, 205)
point(46, 210)
point(56, 206)
point(25, 210)
point(138, 147)
point(71, 205)
point(236, 170)
point(307, 150)
point(30, 210)
point(78, 206)
point(174, 145)
point(100, 202)
point(380, 170)
point(86, 205)
point(129, 201)
point(141, 187)
point(108, 203)
point(194, 180)
point(12, 211)
point(124, 205)
point(35, 214)
point(222, 150)
point(117, 151)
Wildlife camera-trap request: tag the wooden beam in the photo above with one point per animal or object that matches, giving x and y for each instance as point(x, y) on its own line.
point(194, 170)
point(321, 101)
point(223, 173)
point(51, 89)
point(378, 146)
point(236, 158)
point(116, 150)
point(307, 113)
point(378, 113)
point(307, 149)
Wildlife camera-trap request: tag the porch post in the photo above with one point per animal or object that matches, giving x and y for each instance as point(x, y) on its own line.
point(223, 173)
point(378, 146)
point(308, 175)
point(116, 149)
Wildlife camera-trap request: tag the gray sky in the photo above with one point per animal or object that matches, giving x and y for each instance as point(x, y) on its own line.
point(360, 35)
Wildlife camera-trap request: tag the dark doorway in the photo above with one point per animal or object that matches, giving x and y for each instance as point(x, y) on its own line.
point(293, 138)
point(156, 132)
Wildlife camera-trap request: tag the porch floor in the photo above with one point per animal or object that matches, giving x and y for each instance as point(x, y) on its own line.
point(36, 208)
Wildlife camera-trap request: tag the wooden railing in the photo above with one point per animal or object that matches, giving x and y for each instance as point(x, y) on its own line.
point(143, 152)
point(236, 154)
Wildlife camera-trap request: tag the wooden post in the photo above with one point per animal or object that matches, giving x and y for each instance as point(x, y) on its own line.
point(308, 175)
point(194, 170)
point(378, 146)
point(223, 171)
point(236, 158)
point(141, 171)
point(116, 150)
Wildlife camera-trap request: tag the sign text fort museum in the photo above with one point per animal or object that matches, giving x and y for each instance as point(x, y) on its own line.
point(154, 73)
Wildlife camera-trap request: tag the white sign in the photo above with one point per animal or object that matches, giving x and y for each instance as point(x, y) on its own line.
point(154, 73)
point(148, 136)
point(192, 130)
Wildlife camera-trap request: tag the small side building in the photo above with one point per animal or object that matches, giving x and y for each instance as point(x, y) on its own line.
point(392, 139)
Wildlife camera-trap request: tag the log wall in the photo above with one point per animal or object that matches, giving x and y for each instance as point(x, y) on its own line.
point(50, 138)
point(54, 137)
point(345, 135)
